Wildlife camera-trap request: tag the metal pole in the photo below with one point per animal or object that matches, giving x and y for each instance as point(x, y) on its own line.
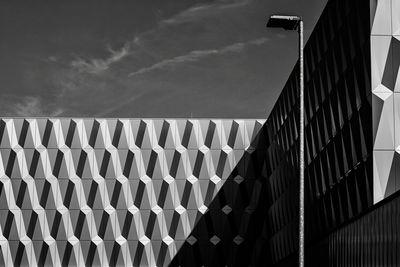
point(301, 193)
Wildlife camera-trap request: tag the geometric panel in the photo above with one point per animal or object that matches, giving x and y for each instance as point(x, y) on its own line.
point(383, 176)
point(395, 47)
point(385, 86)
point(395, 17)
point(392, 64)
point(110, 192)
point(383, 122)
point(397, 121)
point(380, 46)
point(381, 24)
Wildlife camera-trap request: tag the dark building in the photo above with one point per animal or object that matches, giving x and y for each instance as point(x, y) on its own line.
point(352, 163)
point(352, 151)
point(338, 136)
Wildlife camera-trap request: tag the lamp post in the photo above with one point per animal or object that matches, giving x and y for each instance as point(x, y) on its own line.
point(296, 23)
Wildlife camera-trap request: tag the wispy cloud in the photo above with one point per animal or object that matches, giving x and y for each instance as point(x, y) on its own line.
point(172, 42)
point(33, 106)
point(95, 66)
point(233, 3)
point(98, 65)
point(195, 11)
point(197, 55)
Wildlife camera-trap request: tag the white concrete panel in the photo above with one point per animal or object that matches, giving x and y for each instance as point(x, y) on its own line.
point(382, 20)
point(382, 164)
point(385, 134)
point(379, 50)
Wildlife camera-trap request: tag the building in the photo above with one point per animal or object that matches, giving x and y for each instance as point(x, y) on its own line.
point(352, 176)
point(111, 192)
point(126, 192)
point(352, 173)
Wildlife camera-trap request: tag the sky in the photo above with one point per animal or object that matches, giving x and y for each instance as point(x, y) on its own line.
point(146, 58)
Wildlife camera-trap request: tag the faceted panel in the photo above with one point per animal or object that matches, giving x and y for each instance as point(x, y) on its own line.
point(384, 138)
point(109, 191)
point(382, 166)
point(397, 121)
point(381, 24)
point(380, 46)
point(395, 18)
point(395, 46)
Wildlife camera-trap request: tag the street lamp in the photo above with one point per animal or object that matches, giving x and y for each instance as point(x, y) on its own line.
point(293, 23)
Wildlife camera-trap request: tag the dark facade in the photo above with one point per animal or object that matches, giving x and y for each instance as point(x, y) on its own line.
point(369, 240)
point(338, 148)
point(352, 63)
point(338, 145)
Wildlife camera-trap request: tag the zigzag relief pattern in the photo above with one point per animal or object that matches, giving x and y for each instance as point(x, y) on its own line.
point(110, 192)
point(385, 80)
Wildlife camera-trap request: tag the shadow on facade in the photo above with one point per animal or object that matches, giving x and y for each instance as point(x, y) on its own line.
point(234, 230)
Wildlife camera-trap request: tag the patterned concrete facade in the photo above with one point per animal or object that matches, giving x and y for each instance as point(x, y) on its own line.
point(385, 86)
point(110, 192)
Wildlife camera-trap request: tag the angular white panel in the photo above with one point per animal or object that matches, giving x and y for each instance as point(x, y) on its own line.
point(397, 120)
point(382, 20)
point(382, 164)
point(397, 82)
point(385, 133)
point(396, 17)
point(379, 50)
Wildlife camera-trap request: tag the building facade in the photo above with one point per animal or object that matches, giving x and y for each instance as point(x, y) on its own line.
point(352, 171)
point(338, 136)
point(187, 192)
point(110, 192)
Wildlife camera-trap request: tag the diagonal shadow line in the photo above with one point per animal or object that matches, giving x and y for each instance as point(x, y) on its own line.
point(233, 232)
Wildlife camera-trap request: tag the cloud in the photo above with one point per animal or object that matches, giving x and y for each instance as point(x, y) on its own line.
point(33, 106)
point(191, 35)
point(96, 66)
point(197, 55)
point(233, 3)
point(195, 11)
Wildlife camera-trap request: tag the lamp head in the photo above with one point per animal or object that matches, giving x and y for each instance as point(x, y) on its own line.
point(283, 21)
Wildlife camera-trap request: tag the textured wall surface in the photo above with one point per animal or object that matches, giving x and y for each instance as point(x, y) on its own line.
point(372, 240)
point(338, 136)
point(106, 192)
point(385, 85)
point(235, 230)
